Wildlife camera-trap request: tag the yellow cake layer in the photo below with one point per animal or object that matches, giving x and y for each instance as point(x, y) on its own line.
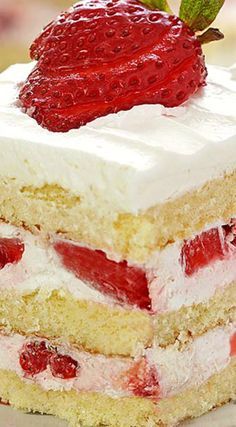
point(134, 237)
point(109, 330)
point(97, 410)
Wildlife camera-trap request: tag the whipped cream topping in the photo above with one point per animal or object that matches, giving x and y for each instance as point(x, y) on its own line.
point(177, 370)
point(138, 158)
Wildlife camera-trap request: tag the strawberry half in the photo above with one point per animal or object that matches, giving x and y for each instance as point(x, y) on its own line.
point(105, 56)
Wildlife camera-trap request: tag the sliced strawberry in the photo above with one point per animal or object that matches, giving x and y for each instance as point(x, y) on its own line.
point(209, 246)
point(233, 346)
point(205, 248)
point(126, 283)
point(11, 251)
point(63, 366)
point(142, 380)
point(34, 357)
point(104, 56)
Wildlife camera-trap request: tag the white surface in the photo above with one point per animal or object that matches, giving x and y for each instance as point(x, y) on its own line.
point(223, 417)
point(138, 158)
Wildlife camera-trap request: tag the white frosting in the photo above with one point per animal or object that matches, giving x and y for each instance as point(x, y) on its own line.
point(132, 160)
point(176, 370)
point(40, 268)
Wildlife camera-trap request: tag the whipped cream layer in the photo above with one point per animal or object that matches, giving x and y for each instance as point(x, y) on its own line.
point(171, 288)
point(42, 269)
point(138, 158)
point(190, 367)
point(176, 370)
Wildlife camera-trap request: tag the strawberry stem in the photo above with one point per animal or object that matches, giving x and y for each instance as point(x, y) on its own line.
point(212, 34)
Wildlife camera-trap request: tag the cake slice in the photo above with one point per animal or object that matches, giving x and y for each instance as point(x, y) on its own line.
point(118, 238)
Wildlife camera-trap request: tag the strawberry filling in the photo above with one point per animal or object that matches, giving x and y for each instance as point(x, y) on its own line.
point(130, 284)
point(233, 346)
point(207, 247)
point(137, 378)
point(127, 284)
point(11, 251)
point(63, 366)
point(36, 357)
point(141, 379)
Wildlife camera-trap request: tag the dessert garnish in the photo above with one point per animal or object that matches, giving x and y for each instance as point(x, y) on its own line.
point(104, 56)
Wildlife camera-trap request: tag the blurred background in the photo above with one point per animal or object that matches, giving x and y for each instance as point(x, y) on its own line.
point(22, 20)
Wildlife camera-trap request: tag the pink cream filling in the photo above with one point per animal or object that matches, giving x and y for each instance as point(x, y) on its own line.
point(158, 373)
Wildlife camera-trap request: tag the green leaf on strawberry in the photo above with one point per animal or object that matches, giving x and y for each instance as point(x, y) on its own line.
point(158, 4)
point(199, 14)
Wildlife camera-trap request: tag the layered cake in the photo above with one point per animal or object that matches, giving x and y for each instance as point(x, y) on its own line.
point(118, 219)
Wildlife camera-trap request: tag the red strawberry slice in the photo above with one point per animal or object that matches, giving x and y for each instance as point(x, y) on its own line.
point(63, 366)
point(11, 251)
point(126, 283)
point(34, 357)
point(142, 380)
point(209, 246)
point(205, 248)
point(104, 56)
point(233, 346)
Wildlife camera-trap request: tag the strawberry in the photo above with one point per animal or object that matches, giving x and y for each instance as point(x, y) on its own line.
point(202, 250)
point(207, 247)
point(63, 366)
point(125, 283)
point(34, 357)
point(142, 380)
point(11, 251)
point(104, 56)
point(233, 346)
